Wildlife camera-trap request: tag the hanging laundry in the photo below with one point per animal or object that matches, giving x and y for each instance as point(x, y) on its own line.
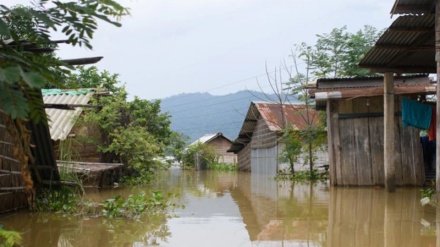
point(416, 114)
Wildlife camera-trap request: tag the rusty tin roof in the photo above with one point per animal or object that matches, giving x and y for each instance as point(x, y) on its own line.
point(340, 88)
point(294, 115)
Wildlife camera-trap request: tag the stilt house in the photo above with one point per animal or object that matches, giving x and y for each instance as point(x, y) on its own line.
point(355, 120)
point(407, 46)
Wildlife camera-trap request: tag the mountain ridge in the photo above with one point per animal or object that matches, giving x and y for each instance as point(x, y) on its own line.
point(197, 114)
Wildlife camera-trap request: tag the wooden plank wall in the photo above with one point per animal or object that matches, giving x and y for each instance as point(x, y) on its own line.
point(356, 146)
point(244, 158)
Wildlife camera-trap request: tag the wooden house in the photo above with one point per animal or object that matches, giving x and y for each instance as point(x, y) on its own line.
point(220, 145)
point(355, 130)
point(258, 146)
point(407, 46)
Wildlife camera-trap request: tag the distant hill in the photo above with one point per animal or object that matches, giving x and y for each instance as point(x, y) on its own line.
point(197, 114)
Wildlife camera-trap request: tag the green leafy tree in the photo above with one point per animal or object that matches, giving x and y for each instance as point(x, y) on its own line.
point(199, 152)
point(91, 77)
point(337, 53)
point(292, 148)
point(25, 33)
point(176, 146)
point(134, 133)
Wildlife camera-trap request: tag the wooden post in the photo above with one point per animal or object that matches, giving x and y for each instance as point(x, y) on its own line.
point(437, 59)
point(389, 165)
point(437, 149)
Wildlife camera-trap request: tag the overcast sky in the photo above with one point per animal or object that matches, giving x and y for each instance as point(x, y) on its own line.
point(168, 47)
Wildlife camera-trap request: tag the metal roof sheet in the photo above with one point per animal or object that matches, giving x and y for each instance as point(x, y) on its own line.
point(407, 46)
point(272, 114)
point(413, 6)
point(61, 121)
point(367, 87)
point(209, 137)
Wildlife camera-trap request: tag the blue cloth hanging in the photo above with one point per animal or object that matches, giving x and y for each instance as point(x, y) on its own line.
point(416, 114)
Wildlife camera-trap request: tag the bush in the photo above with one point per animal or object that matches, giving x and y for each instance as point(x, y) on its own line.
point(302, 175)
point(206, 156)
point(223, 167)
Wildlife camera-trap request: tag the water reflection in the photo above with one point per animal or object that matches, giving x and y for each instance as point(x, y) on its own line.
point(241, 209)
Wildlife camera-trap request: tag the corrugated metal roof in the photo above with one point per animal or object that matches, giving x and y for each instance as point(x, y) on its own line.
point(407, 46)
point(61, 121)
point(367, 87)
point(413, 6)
point(272, 113)
point(209, 137)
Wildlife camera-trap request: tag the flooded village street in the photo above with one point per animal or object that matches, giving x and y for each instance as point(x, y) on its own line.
point(244, 209)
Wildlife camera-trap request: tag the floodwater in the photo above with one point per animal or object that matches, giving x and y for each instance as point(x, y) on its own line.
point(241, 209)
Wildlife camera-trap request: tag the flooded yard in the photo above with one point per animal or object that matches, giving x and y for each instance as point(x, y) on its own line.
point(241, 209)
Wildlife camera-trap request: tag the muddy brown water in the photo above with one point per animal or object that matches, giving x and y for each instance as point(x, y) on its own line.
point(241, 209)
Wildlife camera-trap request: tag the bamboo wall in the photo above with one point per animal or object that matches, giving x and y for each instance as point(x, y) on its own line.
point(355, 141)
point(12, 194)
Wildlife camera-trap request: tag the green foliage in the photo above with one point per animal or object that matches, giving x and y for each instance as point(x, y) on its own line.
point(91, 77)
point(201, 152)
point(176, 146)
point(133, 206)
point(22, 71)
point(9, 238)
point(426, 194)
point(223, 167)
point(302, 175)
point(134, 133)
point(293, 146)
point(70, 201)
point(337, 54)
point(65, 200)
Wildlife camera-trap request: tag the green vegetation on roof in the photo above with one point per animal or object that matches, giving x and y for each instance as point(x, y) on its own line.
point(72, 92)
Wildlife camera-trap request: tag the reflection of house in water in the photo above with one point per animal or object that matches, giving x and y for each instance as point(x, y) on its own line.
point(280, 211)
point(373, 217)
point(319, 215)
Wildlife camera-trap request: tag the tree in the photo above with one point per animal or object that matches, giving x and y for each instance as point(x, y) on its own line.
point(176, 146)
point(337, 54)
point(90, 77)
point(25, 35)
point(199, 153)
point(292, 148)
point(132, 132)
